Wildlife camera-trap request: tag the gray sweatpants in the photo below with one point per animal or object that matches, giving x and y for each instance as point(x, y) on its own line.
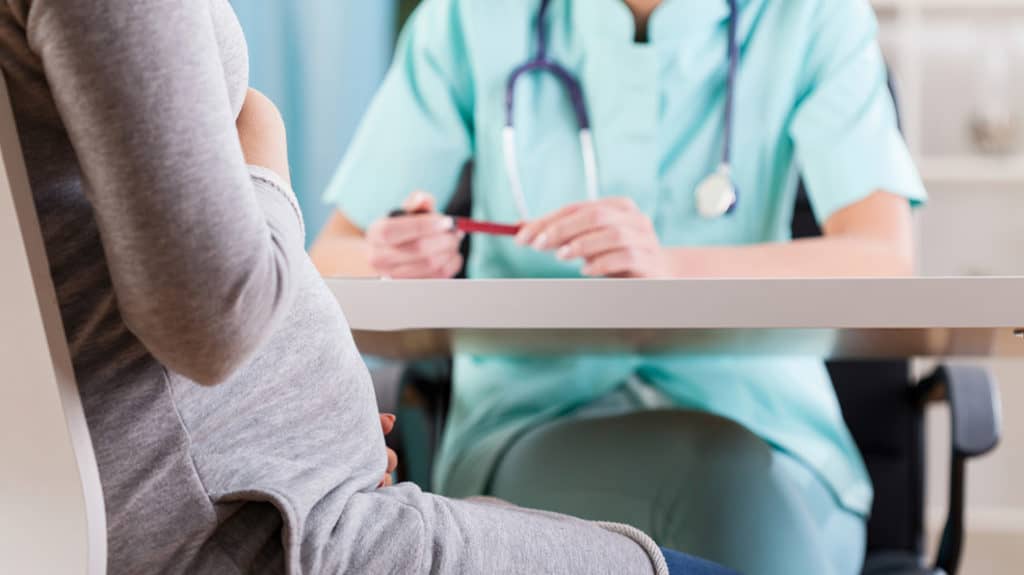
point(694, 481)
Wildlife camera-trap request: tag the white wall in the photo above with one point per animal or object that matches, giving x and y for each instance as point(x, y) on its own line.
point(956, 60)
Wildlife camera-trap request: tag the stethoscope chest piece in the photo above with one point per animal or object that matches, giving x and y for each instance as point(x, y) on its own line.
point(716, 195)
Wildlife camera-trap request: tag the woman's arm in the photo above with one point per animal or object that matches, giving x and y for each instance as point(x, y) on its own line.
point(200, 248)
point(872, 237)
point(262, 134)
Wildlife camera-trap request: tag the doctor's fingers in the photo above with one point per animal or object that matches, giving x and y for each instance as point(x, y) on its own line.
point(419, 201)
point(603, 240)
point(530, 230)
point(436, 244)
point(589, 220)
point(441, 245)
point(402, 229)
point(627, 262)
point(440, 268)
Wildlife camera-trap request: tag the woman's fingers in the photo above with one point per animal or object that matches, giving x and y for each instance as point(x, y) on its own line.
point(387, 422)
point(388, 479)
point(392, 461)
point(387, 425)
point(391, 467)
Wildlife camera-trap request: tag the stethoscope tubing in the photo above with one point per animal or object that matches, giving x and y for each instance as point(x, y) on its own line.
point(540, 62)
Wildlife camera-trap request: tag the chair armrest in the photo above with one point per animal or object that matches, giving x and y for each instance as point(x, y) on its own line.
point(974, 405)
point(975, 409)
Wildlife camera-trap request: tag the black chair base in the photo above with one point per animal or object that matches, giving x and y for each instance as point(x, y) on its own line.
point(897, 563)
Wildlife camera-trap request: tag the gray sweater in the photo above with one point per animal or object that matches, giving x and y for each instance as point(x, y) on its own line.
point(177, 265)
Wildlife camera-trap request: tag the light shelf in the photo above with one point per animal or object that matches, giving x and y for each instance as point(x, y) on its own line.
point(972, 169)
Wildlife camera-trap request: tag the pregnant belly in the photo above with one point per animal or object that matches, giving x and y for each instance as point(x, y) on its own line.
point(300, 420)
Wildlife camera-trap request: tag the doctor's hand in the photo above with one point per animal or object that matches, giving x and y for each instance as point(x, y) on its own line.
point(422, 244)
point(611, 235)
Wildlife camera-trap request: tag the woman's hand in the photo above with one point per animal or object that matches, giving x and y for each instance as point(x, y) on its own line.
point(262, 134)
point(422, 244)
point(387, 424)
point(612, 236)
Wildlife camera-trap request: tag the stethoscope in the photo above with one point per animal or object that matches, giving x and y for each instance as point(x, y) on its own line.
point(716, 195)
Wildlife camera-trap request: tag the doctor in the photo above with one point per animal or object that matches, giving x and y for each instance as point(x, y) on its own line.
point(645, 139)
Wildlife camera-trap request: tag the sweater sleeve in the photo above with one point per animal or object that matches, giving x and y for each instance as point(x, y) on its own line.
point(450, 537)
point(201, 249)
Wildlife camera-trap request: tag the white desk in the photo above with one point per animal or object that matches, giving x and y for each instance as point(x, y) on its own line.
point(832, 318)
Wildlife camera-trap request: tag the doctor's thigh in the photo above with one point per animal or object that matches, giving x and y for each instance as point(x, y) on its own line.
point(695, 482)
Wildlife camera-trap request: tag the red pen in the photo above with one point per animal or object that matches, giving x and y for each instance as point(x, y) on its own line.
point(471, 226)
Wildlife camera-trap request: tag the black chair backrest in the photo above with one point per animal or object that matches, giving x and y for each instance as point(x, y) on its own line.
point(461, 204)
point(888, 425)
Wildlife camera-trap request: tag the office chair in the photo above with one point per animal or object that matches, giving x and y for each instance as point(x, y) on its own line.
point(51, 506)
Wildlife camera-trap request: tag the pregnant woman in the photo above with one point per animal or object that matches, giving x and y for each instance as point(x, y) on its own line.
point(234, 423)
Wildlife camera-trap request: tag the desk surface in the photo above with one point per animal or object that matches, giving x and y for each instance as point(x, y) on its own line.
point(864, 318)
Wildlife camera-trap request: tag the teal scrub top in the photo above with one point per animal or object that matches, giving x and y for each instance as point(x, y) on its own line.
point(811, 102)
